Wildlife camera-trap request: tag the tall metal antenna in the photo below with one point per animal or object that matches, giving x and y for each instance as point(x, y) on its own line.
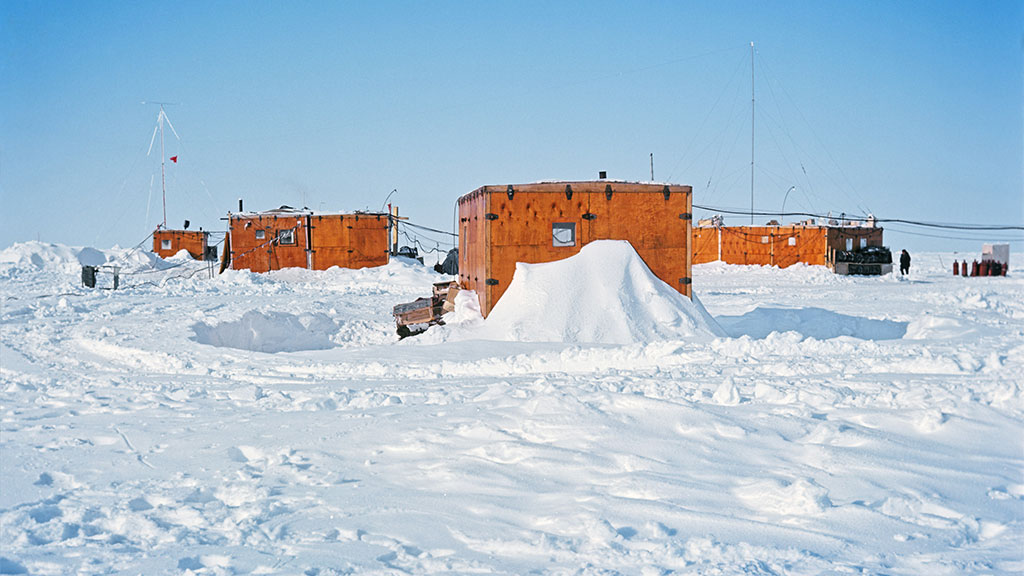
point(751, 133)
point(160, 118)
point(652, 166)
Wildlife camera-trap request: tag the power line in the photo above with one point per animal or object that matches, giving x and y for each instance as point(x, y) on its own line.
point(849, 217)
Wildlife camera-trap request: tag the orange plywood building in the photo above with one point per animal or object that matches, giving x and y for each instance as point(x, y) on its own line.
point(533, 223)
point(288, 238)
point(780, 246)
point(167, 243)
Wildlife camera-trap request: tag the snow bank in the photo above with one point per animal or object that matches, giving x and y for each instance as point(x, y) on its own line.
point(40, 256)
point(812, 323)
point(604, 294)
point(270, 332)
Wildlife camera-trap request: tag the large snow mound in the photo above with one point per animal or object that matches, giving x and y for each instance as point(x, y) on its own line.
point(604, 294)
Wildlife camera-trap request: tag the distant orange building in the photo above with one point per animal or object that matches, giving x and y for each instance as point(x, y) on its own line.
point(781, 246)
point(167, 243)
point(289, 238)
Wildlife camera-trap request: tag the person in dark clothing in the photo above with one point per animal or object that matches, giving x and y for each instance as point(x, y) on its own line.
point(904, 262)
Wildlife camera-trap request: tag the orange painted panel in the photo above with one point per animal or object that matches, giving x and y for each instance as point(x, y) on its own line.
point(329, 236)
point(367, 240)
point(473, 242)
point(746, 245)
point(705, 245)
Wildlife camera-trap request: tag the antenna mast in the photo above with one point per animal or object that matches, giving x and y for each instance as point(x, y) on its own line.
point(751, 133)
point(163, 160)
point(160, 119)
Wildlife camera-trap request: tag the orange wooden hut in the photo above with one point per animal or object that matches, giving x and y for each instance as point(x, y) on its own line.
point(533, 223)
point(167, 243)
point(290, 238)
point(781, 246)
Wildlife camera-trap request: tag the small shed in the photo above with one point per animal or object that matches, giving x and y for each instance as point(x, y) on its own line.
point(167, 243)
point(781, 246)
point(542, 222)
point(290, 238)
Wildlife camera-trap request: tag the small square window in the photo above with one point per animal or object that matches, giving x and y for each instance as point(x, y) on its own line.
point(165, 244)
point(261, 234)
point(286, 237)
point(764, 239)
point(563, 234)
point(792, 240)
point(863, 242)
point(849, 244)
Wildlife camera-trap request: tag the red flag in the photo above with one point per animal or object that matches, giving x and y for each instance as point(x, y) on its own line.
point(174, 159)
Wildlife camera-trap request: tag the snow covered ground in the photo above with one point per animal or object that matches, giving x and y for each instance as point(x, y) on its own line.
point(274, 424)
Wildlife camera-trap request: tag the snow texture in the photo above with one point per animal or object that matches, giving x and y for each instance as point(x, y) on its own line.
point(191, 423)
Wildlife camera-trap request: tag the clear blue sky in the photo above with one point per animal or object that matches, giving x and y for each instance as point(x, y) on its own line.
point(907, 109)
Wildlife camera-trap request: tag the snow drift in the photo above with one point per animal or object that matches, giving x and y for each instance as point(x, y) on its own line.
point(604, 294)
point(130, 447)
point(270, 332)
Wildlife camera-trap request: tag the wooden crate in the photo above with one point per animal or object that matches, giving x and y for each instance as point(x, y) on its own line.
point(533, 223)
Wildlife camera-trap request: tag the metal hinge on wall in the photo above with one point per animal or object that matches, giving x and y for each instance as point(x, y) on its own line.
point(589, 216)
point(491, 282)
point(491, 216)
point(686, 281)
point(686, 216)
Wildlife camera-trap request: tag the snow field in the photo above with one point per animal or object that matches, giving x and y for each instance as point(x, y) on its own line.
point(273, 424)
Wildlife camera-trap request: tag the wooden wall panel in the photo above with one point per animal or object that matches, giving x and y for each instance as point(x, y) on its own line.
point(812, 242)
point(705, 244)
point(746, 245)
point(367, 239)
point(329, 237)
point(473, 243)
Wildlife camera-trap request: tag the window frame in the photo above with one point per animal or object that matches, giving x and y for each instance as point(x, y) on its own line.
point(556, 227)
